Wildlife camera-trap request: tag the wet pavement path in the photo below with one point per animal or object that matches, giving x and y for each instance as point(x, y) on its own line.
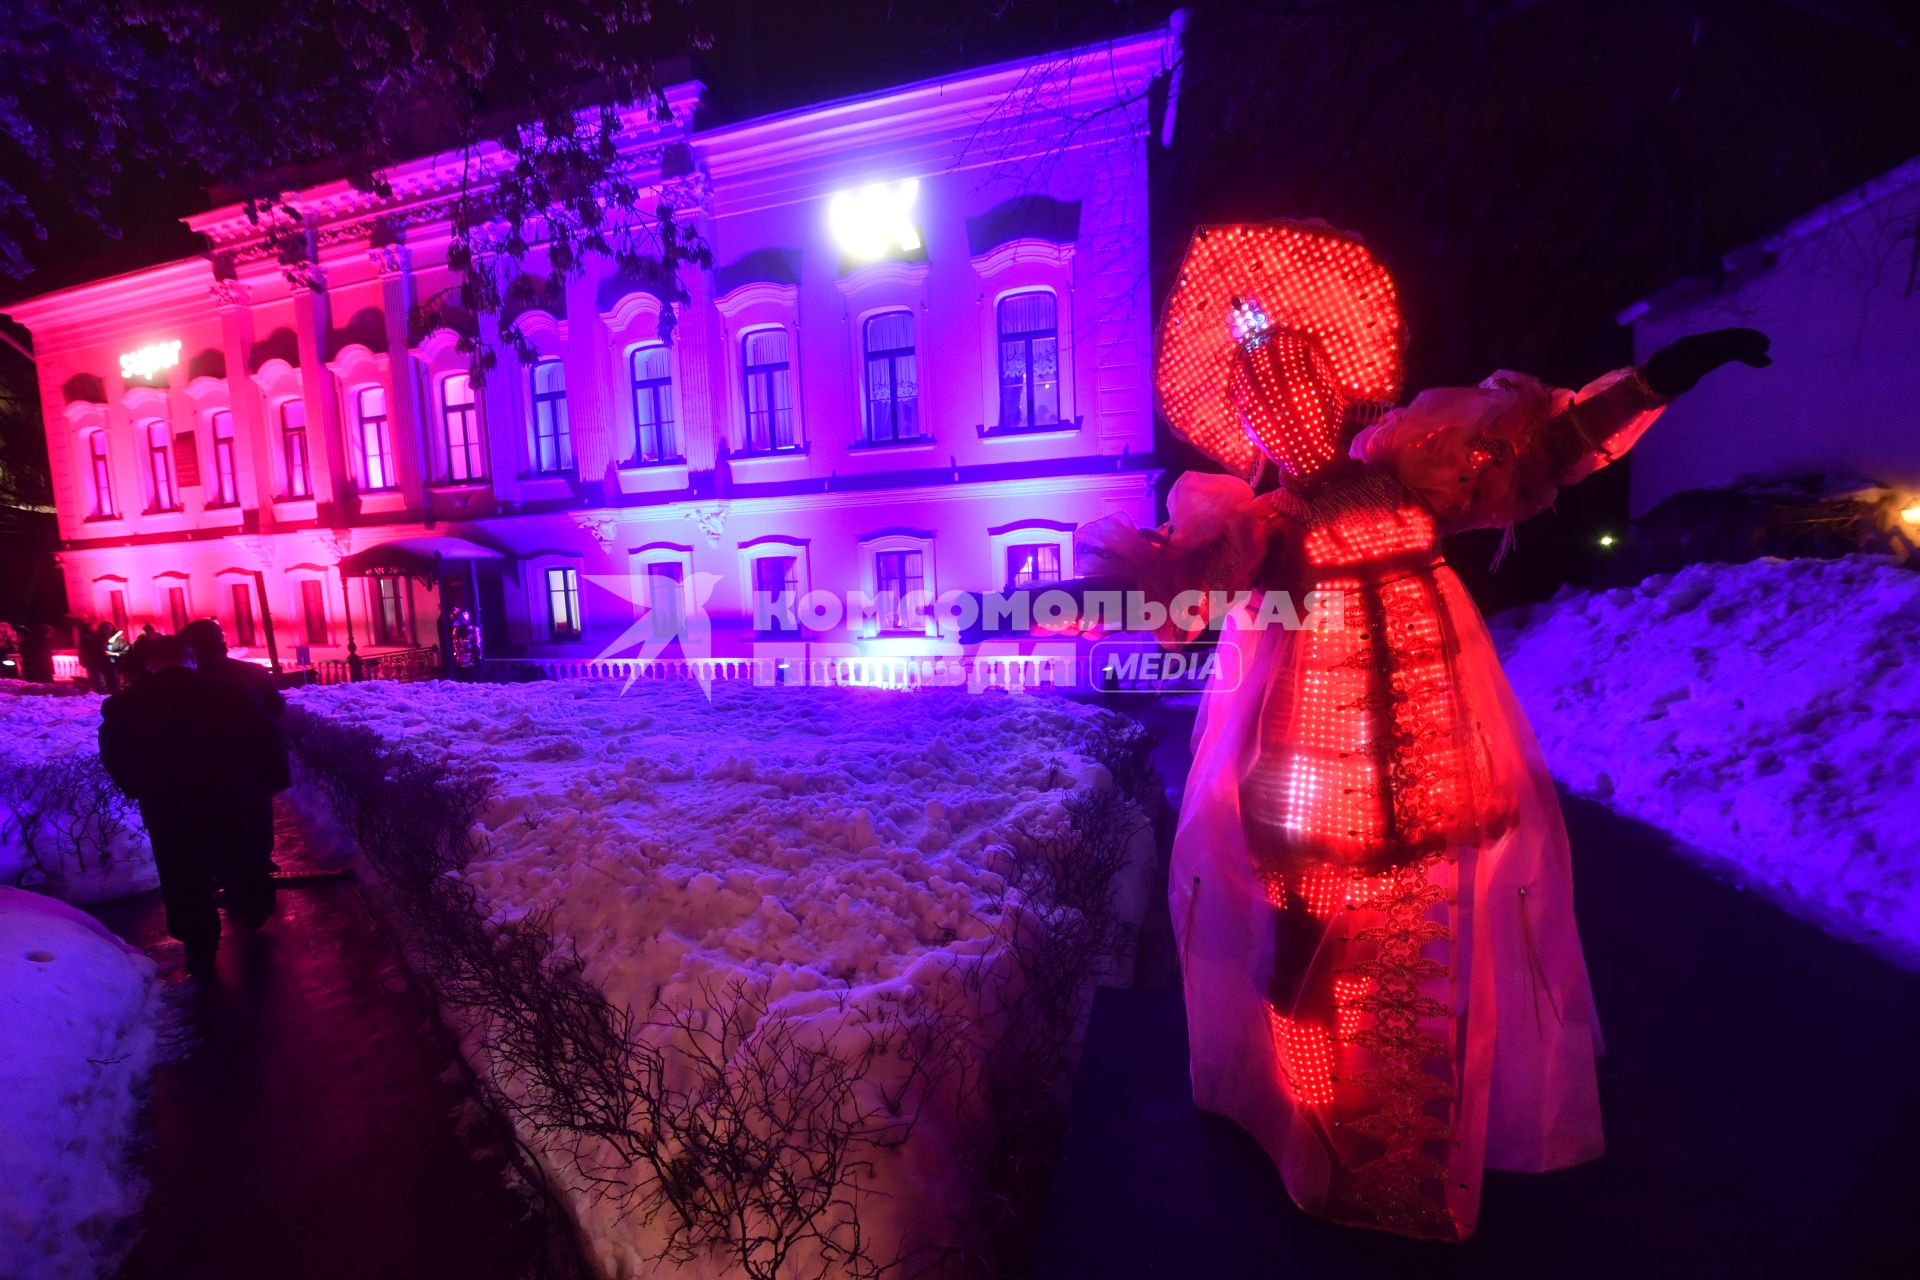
point(313, 1119)
point(1758, 1091)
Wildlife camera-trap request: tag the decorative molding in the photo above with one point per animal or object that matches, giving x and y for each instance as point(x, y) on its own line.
point(711, 521)
point(888, 273)
point(758, 293)
point(337, 543)
point(229, 293)
point(632, 306)
point(1022, 253)
point(537, 323)
point(390, 260)
point(602, 526)
point(259, 550)
point(305, 277)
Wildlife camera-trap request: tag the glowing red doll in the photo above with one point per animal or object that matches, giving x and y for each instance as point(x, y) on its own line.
point(1371, 887)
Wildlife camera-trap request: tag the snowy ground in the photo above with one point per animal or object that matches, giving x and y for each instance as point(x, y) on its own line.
point(38, 727)
point(1766, 714)
point(77, 1016)
point(819, 845)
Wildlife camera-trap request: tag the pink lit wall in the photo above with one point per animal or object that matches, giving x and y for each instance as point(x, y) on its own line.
point(1007, 203)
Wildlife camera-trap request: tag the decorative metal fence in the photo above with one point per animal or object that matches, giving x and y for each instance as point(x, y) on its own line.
point(421, 663)
point(1016, 672)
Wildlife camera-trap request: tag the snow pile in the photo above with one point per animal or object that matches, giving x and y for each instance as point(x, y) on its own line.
point(76, 1040)
point(39, 728)
point(826, 849)
point(1767, 714)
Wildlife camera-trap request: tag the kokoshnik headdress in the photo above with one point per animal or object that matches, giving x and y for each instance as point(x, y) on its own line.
point(1272, 333)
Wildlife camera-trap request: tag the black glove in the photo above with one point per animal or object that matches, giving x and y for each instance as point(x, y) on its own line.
point(1675, 368)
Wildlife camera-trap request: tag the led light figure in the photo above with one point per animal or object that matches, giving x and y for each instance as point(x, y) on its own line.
point(875, 220)
point(150, 359)
point(1367, 838)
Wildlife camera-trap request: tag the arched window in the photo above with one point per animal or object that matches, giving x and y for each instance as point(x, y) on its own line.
point(376, 437)
point(293, 444)
point(226, 472)
point(1029, 361)
point(893, 381)
point(100, 476)
point(655, 438)
point(769, 373)
point(552, 438)
point(460, 423)
point(160, 467)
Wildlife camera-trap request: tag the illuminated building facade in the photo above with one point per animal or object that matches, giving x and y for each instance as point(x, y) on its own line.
point(921, 358)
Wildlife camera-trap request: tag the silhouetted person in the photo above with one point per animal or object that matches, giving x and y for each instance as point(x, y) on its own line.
point(133, 664)
point(251, 832)
point(36, 653)
point(192, 749)
point(90, 646)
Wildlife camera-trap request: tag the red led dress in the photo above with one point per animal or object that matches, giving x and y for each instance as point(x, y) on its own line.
point(1371, 886)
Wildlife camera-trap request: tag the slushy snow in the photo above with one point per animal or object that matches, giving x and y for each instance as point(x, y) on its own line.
point(828, 848)
point(1765, 714)
point(77, 1017)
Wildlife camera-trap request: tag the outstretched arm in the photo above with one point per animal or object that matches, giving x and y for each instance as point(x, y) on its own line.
point(1499, 453)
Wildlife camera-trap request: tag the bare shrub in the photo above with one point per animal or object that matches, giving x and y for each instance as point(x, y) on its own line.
point(1124, 748)
point(65, 812)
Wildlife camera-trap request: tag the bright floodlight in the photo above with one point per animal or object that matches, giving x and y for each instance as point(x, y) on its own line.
point(150, 360)
point(874, 220)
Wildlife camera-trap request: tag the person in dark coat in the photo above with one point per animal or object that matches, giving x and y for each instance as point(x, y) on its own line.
point(192, 749)
point(252, 828)
point(36, 654)
point(90, 647)
point(133, 664)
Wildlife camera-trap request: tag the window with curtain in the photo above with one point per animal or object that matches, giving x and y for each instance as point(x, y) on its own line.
point(101, 477)
point(666, 608)
point(769, 372)
point(313, 609)
point(293, 446)
point(160, 467)
point(460, 424)
point(552, 438)
point(226, 472)
point(243, 632)
point(1029, 361)
point(390, 610)
point(1030, 563)
point(650, 370)
point(776, 591)
point(563, 604)
point(117, 608)
point(898, 575)
point(893, 381)
point(376, 438)
point(177, 608)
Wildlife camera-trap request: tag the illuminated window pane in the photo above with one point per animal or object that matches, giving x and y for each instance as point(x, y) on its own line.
point(654, 436)
point(1033, 562)
point(899, 575)
point(893, 381)
point(552, 437)
point(226, 481)
point(293, 439)
point(376, 438)
point(1029, 361)
point(769, 392)
point(460, 420)
point(563, 604)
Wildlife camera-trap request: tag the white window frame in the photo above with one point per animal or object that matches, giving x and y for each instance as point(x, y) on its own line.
point(774, 547)
point(871, 548)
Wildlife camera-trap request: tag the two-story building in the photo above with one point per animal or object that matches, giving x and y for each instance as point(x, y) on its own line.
point(920, 359)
